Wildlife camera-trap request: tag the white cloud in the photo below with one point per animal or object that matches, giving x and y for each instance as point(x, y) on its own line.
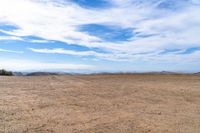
point(26, 65)
point(11, 51)
point(10, 38)
point(51, 20)
point(39, 41)
point(174, 57)
point(68, 52)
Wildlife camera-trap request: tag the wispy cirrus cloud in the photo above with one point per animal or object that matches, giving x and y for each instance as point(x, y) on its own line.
point(10, 38)
point(11, 51)
point(55, 21)
point(186, 55)
point(127, 29)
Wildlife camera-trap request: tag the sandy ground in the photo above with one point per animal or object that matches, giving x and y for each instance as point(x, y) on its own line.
point(100, 104)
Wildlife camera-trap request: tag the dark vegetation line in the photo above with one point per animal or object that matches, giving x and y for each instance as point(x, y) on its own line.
point(5, 73)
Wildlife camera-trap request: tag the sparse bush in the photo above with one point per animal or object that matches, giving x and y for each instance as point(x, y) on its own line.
point(5, 73)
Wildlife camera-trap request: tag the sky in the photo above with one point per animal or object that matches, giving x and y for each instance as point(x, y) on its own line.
point(100, 35)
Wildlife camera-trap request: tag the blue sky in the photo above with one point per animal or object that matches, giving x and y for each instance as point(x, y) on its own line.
point(100, 35)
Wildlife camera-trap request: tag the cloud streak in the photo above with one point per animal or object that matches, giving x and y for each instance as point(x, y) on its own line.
point(157, 25)
point(177, 56)
point(27, 65)
point(11, 51)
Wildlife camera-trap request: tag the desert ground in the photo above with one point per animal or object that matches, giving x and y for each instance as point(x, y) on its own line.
point(138, 103)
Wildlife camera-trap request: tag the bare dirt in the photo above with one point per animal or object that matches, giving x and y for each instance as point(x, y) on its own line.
point(100, 104)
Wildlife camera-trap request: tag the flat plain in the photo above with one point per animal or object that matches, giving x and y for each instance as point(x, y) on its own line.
point(121, 103)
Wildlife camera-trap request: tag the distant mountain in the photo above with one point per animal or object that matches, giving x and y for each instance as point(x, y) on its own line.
point(41, 74)
point(101, 73)
point(161, 72)
point(167, 72)
point(18, 74)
